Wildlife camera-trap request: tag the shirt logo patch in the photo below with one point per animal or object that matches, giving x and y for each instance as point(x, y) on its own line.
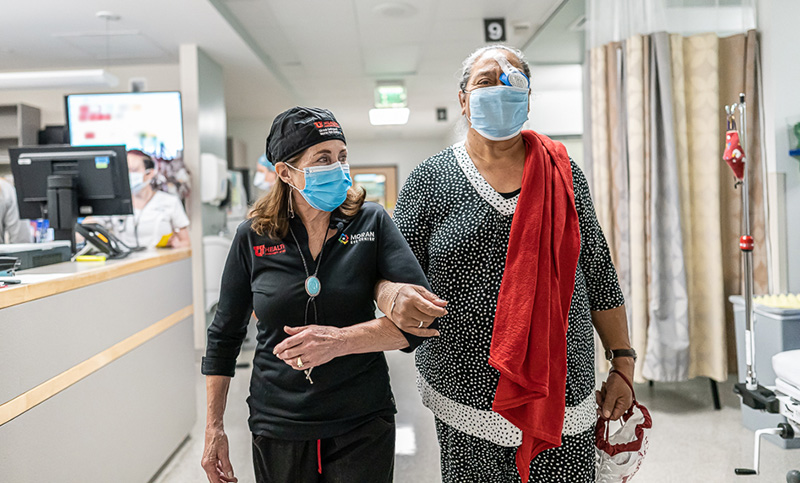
point(367, 236)
point(265, 251)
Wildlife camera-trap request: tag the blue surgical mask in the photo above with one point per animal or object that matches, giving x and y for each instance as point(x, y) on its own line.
point(498, 112)
point(326, 186)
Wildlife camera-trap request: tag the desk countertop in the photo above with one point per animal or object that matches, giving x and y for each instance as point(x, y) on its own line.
point(61, 277)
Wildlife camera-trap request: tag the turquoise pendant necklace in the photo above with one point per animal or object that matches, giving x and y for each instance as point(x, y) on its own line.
point(312, 284)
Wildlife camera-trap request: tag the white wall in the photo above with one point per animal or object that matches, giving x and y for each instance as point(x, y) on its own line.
point(160, 77)
point(203, 95)
point(777, 22)
point(253, 133)
point(556, 100)
point(405, 153)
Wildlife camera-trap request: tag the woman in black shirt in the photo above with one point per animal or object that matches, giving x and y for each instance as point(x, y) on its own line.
point(307, 262)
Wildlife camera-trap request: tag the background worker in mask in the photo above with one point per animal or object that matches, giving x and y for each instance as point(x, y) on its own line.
point(504, 227)
point(155, 212)
point(307, 260)
point(265, 175)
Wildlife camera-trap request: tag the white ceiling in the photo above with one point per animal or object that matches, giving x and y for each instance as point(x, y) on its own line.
point(332, 52)
point(278, 53)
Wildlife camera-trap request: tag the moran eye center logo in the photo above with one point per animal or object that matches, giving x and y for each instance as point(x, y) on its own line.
point(367, 236)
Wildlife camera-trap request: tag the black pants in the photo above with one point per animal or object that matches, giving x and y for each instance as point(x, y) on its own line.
point(364, 455)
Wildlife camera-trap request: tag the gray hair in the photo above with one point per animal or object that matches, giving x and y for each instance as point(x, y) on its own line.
point(466, 69)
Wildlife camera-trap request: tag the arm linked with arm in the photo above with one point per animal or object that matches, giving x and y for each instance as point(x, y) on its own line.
point(408, 303)
point(316, 345)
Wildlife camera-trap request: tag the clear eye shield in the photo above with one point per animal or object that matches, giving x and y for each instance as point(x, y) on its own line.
point(511, 76)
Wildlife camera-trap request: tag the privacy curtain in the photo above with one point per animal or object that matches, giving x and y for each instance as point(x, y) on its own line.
point(664, 196)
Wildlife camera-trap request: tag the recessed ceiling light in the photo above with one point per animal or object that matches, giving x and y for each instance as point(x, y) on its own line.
point(107, 16)
point(395, 9)
point(388, 117)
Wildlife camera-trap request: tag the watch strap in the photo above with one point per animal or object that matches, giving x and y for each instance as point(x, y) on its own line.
point(612, 354)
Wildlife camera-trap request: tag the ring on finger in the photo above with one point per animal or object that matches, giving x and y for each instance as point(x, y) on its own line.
point(299, 362)
point(420, 324)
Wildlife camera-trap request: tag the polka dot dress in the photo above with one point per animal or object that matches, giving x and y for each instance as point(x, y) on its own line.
point(458, 227)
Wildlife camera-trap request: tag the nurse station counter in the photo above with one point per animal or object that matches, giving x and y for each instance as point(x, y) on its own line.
point(97, 370)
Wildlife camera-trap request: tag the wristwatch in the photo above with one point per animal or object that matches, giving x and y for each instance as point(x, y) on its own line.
point(612, 354)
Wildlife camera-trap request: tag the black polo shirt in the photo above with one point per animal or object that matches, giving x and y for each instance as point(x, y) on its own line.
point(268, 276)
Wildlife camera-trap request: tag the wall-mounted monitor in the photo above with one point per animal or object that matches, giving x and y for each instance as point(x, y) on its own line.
point(148, 121)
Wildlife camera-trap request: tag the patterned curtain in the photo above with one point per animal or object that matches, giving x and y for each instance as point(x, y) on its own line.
point(666, 199)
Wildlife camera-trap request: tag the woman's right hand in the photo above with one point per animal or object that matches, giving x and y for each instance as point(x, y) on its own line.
point(414, 305)
point(215, 460)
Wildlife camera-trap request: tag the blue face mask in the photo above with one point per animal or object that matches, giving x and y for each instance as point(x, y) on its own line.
point(498, 112)
point(326, 186)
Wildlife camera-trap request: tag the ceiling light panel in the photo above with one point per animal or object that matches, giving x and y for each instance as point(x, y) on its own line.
point(115, 46)
point(388, 117)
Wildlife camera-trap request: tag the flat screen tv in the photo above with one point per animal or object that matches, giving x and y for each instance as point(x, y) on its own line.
point(147, 121)
point(150, 122)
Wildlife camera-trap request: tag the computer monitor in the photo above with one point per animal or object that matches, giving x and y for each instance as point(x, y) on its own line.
point(148, 121)
point(66, 182)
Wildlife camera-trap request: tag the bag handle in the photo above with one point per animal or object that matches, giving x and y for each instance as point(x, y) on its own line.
point(601, 440)
point(627, 381)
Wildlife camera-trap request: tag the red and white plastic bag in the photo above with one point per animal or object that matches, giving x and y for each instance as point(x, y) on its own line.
point(619, 455)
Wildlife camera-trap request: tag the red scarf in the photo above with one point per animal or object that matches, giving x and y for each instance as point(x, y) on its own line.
point(529, 340)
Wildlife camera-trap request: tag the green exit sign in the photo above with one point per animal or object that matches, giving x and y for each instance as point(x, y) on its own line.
point(390, 94)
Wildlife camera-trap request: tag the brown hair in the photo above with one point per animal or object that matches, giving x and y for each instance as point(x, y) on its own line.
point(270, 213)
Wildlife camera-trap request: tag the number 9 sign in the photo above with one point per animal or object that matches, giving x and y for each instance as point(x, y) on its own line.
point(494, 29)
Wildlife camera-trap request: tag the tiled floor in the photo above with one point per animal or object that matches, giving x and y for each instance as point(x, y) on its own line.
point(690, 441)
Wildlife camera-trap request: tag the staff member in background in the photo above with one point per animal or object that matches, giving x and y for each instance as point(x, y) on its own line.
point(505, 229)
point(265, 175)
point(155, 212)
point(12, 229)
point(307, 261)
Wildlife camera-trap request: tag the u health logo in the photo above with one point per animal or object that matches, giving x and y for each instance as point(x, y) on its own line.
point(321, 124)
point(265, 251)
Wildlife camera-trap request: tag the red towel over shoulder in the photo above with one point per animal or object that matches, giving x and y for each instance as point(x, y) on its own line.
point(529, 340)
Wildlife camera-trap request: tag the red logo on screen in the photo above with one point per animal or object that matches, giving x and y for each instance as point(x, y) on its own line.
point(85, 113)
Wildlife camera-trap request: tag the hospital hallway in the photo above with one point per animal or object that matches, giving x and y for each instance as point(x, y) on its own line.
point(690, 441)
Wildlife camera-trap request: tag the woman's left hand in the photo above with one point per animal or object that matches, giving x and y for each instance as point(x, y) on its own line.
point(314, 345)
point(615, 397)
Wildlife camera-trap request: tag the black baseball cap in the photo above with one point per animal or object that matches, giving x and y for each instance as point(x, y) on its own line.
point(299, 128)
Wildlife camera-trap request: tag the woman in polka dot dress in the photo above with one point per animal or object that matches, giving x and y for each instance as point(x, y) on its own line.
point(456, 211)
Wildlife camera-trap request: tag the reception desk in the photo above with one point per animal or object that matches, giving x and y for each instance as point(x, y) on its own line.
point(97, 375)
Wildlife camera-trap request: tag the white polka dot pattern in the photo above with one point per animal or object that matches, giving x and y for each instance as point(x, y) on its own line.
point(506, 206)
point(486, 425)
point(458, 228)
point(493, 427)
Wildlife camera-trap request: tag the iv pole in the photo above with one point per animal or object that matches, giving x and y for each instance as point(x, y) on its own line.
point(746, 246)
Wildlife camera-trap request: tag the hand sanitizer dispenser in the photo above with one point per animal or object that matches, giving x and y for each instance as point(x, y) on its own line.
point(214, 172)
